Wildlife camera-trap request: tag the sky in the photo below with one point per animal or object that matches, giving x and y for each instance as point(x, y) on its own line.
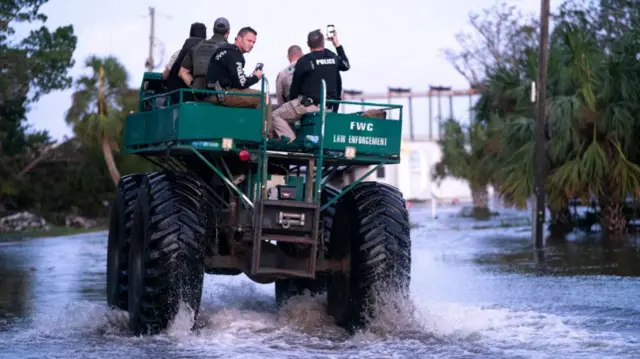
point(388, 43)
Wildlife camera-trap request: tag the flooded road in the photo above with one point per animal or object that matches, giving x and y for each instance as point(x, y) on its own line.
point(477, 293)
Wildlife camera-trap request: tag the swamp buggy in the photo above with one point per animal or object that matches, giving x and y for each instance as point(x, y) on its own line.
point(228, 200)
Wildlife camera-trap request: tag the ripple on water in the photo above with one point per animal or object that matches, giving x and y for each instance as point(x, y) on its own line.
point(238, 318)
point(243, 322)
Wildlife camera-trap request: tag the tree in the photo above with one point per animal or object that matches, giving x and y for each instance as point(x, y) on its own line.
point(99, 106)
point(594, 92)
point(499, 36)
point(600, 110)
point(29, 68)
point(499, 43)
point(37, 64)
point(463, 150)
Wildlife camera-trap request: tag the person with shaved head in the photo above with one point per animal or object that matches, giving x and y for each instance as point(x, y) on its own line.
point(308, 73)
point(283, 80)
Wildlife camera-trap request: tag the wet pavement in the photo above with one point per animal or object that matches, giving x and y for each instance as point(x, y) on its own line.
point(478, 292)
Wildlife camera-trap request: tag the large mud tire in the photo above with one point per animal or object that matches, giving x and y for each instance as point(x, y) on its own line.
point(287, 288)
point(371, 229)
point(120, 224)
point(166, 257)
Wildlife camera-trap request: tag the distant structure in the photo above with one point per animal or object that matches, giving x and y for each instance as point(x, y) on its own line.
point(420, 150)
point(437, 92)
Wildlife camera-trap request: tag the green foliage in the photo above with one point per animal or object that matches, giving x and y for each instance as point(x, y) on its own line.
point(84, 115)
point(35, 174)
point(593, 109)
point(29, 68)
point(463, 149)
point(38, 63)
point(502, 35)
point(76, 180)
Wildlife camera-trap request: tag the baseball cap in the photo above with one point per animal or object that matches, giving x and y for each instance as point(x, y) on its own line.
point(221, 23)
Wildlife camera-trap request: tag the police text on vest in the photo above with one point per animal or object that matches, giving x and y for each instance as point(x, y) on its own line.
point(329, 61)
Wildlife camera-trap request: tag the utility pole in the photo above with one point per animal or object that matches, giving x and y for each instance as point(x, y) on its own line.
point(540, 172)
point(152, 35)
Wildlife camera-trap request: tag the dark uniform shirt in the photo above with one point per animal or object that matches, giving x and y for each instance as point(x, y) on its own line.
point(315, 66)
point(204, 49)
point(227, 67)
point(174, 81)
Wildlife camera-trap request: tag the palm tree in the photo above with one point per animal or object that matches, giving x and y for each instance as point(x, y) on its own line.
point(593, 102)
point(505, 106)
point(463, 150)
point(99, 106)
point(600, 116)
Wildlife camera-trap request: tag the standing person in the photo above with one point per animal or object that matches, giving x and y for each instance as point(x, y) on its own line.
point(284, 78)
point(226, 73)
point(194, 66)
point(319, 64)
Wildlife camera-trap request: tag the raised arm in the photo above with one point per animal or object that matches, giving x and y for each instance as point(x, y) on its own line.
point(343, 61)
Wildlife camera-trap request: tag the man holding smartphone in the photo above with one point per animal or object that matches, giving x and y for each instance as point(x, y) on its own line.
point(226, 73)
point(319, 64)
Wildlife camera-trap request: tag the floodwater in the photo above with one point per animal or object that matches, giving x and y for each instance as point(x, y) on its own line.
point(477, 292)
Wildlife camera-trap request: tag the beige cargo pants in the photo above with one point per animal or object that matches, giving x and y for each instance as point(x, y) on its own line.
point(287, 114)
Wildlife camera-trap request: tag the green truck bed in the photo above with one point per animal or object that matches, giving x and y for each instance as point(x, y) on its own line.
point(208, 126)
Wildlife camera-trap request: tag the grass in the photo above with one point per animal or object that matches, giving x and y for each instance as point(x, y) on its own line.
point(55, 231)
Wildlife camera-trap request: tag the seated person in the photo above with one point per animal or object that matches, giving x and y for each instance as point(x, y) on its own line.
point(194, 66)
point(283, 80)
point(309, 71)
point(226, 73)
point(173, 80)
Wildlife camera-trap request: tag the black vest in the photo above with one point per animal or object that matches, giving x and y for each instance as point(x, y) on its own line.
point(174, 81)
point(202, 54)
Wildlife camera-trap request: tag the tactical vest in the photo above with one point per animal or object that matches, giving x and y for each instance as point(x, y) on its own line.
point(202, 54)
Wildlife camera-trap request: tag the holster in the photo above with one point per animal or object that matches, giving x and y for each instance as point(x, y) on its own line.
point(216, 87)
point(306, 101)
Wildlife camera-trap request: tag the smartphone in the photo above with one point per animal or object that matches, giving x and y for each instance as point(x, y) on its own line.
point(258, 66)
point(330, 30)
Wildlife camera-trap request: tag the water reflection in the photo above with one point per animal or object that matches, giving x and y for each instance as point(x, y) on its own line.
point(42, 276)
point(584, 255)
point(14, 288)
point(461, 309)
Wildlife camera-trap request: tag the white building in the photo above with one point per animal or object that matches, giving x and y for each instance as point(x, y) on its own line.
point(422, 118)
point(413, 175)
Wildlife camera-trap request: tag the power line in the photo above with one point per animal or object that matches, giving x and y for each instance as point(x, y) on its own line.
point(154, 42)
